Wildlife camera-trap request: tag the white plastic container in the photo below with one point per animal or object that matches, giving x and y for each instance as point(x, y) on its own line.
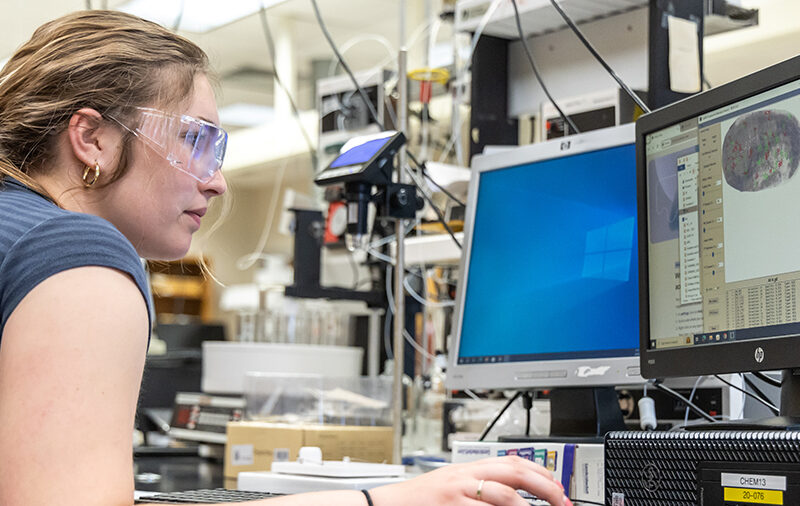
point(226, 362)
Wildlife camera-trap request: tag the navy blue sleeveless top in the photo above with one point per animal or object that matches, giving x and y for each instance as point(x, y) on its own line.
point(39, 239)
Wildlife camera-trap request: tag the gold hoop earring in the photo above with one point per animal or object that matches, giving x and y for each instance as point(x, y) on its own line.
point(91, 175)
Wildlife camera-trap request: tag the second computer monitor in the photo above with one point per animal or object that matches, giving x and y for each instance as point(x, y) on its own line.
point(548, 291)
point(719, 240)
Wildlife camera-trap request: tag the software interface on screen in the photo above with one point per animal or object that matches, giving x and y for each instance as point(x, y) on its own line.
point(552, 271)
point(723, 203)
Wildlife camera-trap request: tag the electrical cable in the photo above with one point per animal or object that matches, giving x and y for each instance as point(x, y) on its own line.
point(442, 220)
point(345, 66)
point(295, 111)
point(597, 56)
point(442, 188)
point(371, 108)
point(499, 414)
point(767, 379)
point(672, 393)
point(527, 422)
point(389, 316)
point(691, 396)
point(766, 403)
point(527, 404)
point(438, 212)
point(365, 37)
point(754, 387)
point(568, 123)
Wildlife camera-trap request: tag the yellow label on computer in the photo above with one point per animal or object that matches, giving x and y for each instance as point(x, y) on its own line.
point(754, 496)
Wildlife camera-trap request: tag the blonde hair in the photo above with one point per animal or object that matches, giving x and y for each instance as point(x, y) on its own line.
point(105, 60)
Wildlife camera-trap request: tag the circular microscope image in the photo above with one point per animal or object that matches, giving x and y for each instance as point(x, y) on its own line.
point(761, 150)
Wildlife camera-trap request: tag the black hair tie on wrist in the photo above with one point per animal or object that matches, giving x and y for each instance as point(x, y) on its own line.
point(369, 499)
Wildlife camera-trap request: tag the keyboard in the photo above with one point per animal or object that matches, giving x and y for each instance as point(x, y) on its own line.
point(205, 496)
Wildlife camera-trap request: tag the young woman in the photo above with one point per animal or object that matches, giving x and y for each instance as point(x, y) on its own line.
point(110, 150)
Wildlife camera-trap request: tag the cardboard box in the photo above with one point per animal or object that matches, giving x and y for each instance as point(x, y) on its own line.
point(252, 446)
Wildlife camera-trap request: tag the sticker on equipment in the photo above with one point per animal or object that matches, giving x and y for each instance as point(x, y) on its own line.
point(242, 455)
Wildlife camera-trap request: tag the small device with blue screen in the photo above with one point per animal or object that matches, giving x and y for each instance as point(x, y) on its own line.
point(367, 162)
point(365, 165)
point(548, 295)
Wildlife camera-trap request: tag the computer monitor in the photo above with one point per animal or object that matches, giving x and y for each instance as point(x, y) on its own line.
point(548, 288)
point(719, 244)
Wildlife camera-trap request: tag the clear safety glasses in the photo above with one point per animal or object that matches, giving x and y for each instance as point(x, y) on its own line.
point(191, 145)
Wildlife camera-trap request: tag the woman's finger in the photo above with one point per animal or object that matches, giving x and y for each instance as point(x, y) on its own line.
point(492, 492)
point(518, 461)
point(519, 473)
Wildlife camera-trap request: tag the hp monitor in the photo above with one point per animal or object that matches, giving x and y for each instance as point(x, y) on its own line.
point(548, 288)
point(719, 231)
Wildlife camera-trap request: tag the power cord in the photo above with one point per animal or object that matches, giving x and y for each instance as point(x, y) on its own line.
point(527, 403)
point(373, 113)
point(295, 111)
point(499, 414)
point(767, 379)
point(675, 395)
point(647, 411)
point(438, 212)
point(597, 56)
point(567, 120)
point(766, 403)
point(691, 397)
point(452, 197)
point(754, 387)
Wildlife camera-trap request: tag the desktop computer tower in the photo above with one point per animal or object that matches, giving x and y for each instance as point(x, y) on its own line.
point(702, 468)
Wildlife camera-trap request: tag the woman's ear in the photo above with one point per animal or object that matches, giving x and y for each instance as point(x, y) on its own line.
point(90, 138)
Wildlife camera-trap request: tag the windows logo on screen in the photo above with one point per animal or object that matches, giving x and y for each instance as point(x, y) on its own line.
point(608, 251)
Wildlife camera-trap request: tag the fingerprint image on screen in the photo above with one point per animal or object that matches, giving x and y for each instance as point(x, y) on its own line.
point(761, 150)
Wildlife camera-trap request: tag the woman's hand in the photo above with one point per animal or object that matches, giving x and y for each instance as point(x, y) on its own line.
point(492, 481)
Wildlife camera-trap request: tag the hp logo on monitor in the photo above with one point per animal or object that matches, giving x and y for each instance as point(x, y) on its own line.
point(759, 354)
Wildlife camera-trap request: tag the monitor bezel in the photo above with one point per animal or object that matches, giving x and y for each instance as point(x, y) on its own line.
point(566, 372)
point(719, 358)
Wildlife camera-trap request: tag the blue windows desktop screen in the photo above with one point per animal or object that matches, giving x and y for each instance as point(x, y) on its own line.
point(553, 271)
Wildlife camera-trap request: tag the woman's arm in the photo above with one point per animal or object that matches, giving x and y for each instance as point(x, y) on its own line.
point(71, 360)
point(454, 485)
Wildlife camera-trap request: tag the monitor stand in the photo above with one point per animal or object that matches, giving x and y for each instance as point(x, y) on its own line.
point(789, 418)
point(580, 415)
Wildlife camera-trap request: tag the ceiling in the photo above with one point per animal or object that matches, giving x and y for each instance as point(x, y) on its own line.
point(238, 51)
